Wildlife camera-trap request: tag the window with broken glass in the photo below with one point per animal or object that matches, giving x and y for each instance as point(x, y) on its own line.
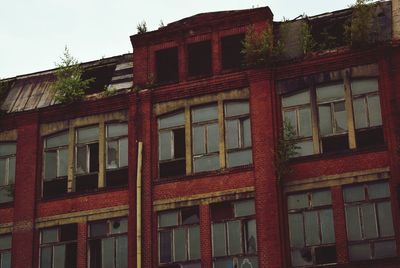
point(237, 134)
point(179, 238)
point(58, 246)
point(234, 235)
point(87, 158)
point(7, 171)
point(5, 251)
point(369, 222)
point(311, 228)
point(171, 140)
point(108, 243)
point(117, 154)
point(55, 165)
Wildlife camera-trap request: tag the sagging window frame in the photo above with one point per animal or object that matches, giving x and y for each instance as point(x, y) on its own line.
point(171, 107)
point(310, 83)
point(8, 189)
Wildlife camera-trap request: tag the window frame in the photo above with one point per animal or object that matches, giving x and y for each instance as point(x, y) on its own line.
point(6, 250)
point(9, 183)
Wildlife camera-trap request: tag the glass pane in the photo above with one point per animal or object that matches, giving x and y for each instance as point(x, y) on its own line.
point(212, 138)
point(165, 246)
point(251, 236)
point(204, 113)
point(199, 145)
point(81, 160)
point(119, 226)
point(6, 259)
point(305, 148)
point(385, 219)
point(305, 122)
point(59, 256)
point(240, 158)
point(321, 198)
point(180, 244)
point(301, 257)
point(45, 257)
point(359, 252)
point(234, 237)
point(123, 152)
point(354, 193)
point(3, 175)
point(50, 235)
point(194, 243)
point(368, 216)
point(169, 218)
point(107, 252)
point(246, 133)
point(88, 134)
point(112, 154)
point(378, 190)
point(311, 228)
point(332, 92)
point(5, 195)
point(98, 229)
point(63, 162)
point(244, 208)
point(165, 145)
point(8, 149)
point(122, 252)
point(340, 117)
point(236, 108)
point(325, 119)
point(296, 230)
point(360, 113)
point(5, 242)
point(232, 134)
point(190, 215)
point(57, 140)
point(385, 249)
point(296, 99)
point(297, 201)
point(206, 163)
point(116, 130)
point(50, 165)
point(11, 170)
point(173, 120)
point(219, 239)
point(223, 263)
point(374, 111)
point(290, 118)
point(364, 86)
point(327, 229)
point(353, 224)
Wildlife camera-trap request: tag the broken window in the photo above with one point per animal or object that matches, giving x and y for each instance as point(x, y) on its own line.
point(296, 110)
point(238, 134)
point(55, 165)
point(7, 171)
point(311, 230)
point(179, 237)
point(117, 154)
point(108, 243)
point(234, 234)
point(167, 65)
point(231, 51)
point(171, 144)
point(5, 251)
point(199, 58)
point(87, 158)
point(369, 222)
point(58, 246)
point(101, 76)
point(205, 138)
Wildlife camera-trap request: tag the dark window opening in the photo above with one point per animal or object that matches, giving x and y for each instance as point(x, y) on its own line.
point(167, 65)
point(179, 142)
point(95, 253)
point(222, 211)
point(102, 78)
point(231, 51)
point(173, 168)
point(55, 187)
point(369, 137)
point(199, 58)
point(336, 143)
point(68, 232)
point(325, 255)
point(94, 157)
point(117, 177)
point(86, 182)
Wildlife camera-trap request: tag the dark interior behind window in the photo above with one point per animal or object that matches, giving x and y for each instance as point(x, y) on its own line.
point(199, 58)
point(167, 65)
point(231, 51)
point(102, 77)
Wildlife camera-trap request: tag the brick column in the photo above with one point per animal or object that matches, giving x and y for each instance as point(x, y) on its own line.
point(267, 196)
point(340, 224)
point(205, 237)
point(82, 245)
point(25, 190)
point(216, 53)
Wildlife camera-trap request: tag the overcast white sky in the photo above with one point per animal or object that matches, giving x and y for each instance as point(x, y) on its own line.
point(33, 33)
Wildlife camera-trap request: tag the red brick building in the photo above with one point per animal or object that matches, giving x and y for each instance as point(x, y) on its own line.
point(177, 167)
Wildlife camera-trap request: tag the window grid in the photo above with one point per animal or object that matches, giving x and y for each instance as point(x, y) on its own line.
point(5, 251)
point(119, 139)
point(7, 171)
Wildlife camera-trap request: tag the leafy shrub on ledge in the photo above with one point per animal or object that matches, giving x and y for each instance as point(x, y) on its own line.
point(358, 28)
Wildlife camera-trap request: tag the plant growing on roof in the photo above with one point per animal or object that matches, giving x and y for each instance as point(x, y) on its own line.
point(69, 86)
point(141, 27)
point(306, 38)
point(257, 46)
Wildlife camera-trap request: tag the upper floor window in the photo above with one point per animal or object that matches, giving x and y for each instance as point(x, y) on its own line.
point(7, 171)
point(231, 51)
point(5, 251)
point(117, 154)
point(234, 235)
point(55, 165)
point(199, 58)
point(311, 230)
point(167, 65)
point(369, 221)
point(179, 238)
point(108, 244)
point(58, 246)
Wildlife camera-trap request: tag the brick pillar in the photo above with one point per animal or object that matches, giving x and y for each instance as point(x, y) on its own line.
point(267, 196)
point(396, 19)
point(205, 237)
point(340, 224)
point(25, 190)
point(82, 245)
point(216, 53)
point(182, 61)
